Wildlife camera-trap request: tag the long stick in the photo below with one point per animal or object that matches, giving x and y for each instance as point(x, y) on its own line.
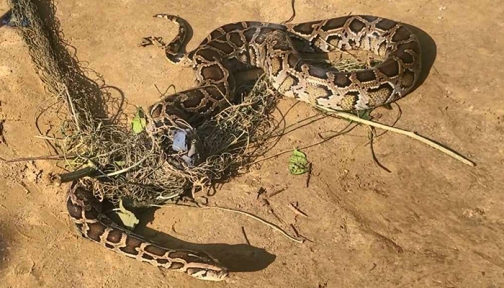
point(411, 134)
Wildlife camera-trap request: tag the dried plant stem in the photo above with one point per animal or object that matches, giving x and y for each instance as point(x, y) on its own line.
point(411, 134)
point(72, 109)
point(125, 169)
point(269, 224)
point(48, 157)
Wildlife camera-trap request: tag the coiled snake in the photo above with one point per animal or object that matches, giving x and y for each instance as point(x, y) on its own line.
point(276, 49)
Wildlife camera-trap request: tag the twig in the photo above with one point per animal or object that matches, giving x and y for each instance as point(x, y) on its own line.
point(47, 157)
point(27, 191)
point(293, 13)
point(275, 214)
point(72, 108)
point(2, 138)
point(299, 235)
point(371, 141)
point(308, 176)
point(274, 193)
point(46, 141)
point(271, 225)
point(48, 138)
point(411, 134)
point(295, 230)
point(260, 192)
point(165, 93)
point(270, 210)
point(245, 235)
point(297, 210)
point(125, 169)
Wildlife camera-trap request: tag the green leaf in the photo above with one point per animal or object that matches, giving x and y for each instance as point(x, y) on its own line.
point(298, 164)
point(128, 218)
point(364, 114)
point(138, 122)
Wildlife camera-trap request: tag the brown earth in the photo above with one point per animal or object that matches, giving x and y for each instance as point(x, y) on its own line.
point(431, 222)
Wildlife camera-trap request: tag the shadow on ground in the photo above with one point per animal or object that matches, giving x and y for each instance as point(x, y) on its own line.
point(237, 258)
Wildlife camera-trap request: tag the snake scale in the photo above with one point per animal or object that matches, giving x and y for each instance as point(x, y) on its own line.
point(276, 49)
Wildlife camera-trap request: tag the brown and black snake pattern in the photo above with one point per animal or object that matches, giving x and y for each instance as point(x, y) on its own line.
point(276, 49)
point(91, 223)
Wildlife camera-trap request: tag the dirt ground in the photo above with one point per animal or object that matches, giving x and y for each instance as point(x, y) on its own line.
point(431, 222)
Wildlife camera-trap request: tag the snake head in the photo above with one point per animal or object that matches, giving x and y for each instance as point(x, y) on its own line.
point(199, 265)
point(215, 273)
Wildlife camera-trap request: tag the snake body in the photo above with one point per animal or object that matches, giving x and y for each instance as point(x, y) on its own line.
point(85, 211)
point(276, 49)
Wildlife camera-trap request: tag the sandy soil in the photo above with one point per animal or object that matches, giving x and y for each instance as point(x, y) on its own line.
point(431, 222)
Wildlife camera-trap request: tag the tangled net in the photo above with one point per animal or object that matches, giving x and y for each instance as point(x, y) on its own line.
point(118, 163)
point(133, 166)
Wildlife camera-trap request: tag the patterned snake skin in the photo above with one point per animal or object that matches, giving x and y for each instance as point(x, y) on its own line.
point(276, 49)
point(85, 212)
